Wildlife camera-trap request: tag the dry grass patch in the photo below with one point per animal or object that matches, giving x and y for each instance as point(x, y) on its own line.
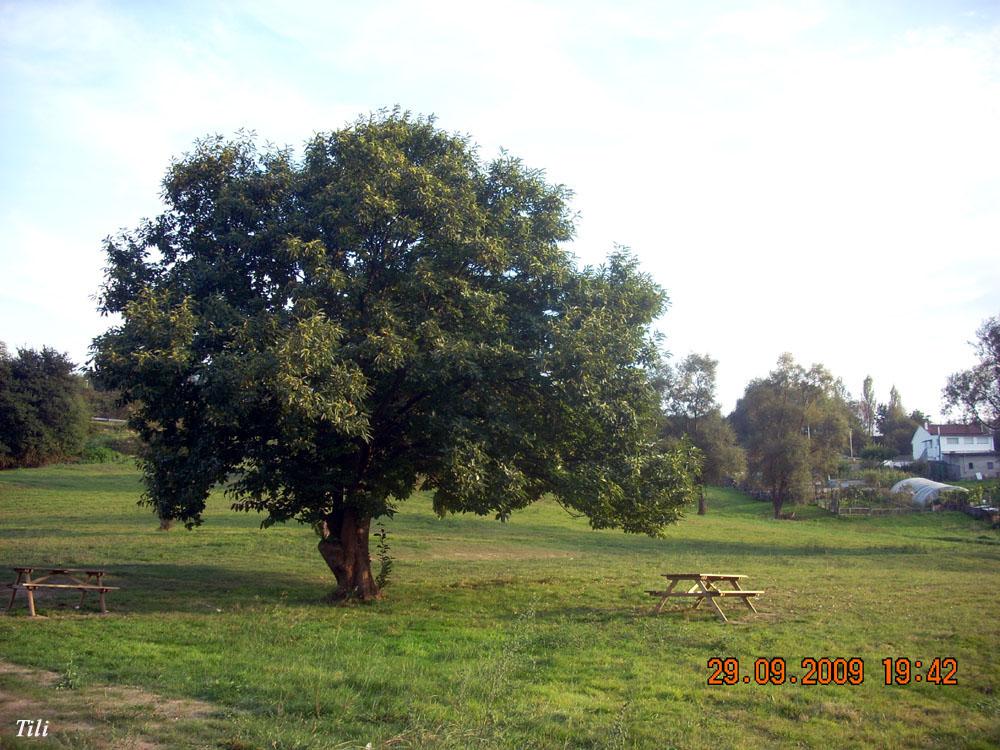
point(102, 717)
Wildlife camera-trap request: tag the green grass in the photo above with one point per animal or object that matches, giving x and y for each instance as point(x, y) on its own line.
point(534, 633)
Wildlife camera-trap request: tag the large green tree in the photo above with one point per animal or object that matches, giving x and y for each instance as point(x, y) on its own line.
point(325, 333)
point(976, 391)
point(794, 426)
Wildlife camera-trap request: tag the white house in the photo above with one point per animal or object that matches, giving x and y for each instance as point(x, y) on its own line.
point(967, 449)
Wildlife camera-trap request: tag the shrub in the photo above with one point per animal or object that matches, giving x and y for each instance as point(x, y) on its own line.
point(99, 454)
point(43, 417)
point(117, 437)
point(882, 478)
point(878, 453)
point(385, 558)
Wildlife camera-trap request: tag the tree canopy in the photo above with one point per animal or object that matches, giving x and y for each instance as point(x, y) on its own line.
point(690, 409)
point(326, 333)
point(896, 426)
point(976, 391)
point(793, 424)
point(43, 417)
point(867, 409)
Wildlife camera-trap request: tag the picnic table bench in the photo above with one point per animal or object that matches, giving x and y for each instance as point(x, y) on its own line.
point(705, 588)
point(90, 580)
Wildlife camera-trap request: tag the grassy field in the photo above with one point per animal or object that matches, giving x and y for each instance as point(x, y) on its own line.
point(536, 633)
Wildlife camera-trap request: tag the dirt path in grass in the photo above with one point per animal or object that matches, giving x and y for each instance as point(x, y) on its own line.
point(108, 717)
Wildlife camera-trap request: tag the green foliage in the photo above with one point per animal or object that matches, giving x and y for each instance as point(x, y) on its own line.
point(689, 388)
point(117, 437)
point(882, 478)
point(868, 408)
point(875, 496)
point(100, 401)
point(896, 426)
point(43, 417)
point(328, 330)
point(793, 425)
point(953, 499)
point(978, 495)
point(384, 556)
point(725, 460)
point(878, 453)
point(99, 454)
point(976, 391)
point(70, 678)
point(690, 409)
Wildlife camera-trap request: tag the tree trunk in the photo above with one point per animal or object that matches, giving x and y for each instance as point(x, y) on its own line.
point(702, 505)
point(777, 500)
point(345, 548)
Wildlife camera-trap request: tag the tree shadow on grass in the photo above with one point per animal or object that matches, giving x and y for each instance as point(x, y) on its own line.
point(552, 537)
point(147, 588)
point(35, 532)
point(752, 550)
point(47, 481)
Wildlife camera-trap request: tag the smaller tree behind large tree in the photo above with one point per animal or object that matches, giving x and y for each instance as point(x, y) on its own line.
point(896, 425)
point(869, 407)
point(690, 408)
point(976, 391)
point(866, 414)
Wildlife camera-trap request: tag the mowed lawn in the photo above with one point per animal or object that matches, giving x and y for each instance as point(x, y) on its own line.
point(536, 633)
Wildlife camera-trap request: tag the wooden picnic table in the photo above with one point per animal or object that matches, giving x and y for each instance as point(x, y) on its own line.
point(705, 588)
point(81, 579)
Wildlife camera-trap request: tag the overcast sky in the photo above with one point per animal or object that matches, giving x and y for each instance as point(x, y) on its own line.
point(818, 178)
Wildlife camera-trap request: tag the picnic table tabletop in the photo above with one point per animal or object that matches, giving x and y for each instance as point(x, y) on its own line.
point(53, 571)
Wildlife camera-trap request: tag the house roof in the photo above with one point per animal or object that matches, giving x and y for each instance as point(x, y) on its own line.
point(951, 430)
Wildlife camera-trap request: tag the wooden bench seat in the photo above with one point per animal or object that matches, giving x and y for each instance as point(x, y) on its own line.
point(672, 594)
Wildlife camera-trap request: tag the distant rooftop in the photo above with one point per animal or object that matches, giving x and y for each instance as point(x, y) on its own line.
point(952, 430)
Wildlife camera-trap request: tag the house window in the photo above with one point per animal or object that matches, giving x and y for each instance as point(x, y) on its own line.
point(970, 440)
point(983, 440)
point(989, 464)
point(952, 441)
point(970, 465)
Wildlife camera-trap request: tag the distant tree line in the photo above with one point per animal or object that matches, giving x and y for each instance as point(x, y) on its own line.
point(789, 431)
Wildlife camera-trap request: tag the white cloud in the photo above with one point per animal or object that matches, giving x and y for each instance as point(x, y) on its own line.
point(769, 23)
